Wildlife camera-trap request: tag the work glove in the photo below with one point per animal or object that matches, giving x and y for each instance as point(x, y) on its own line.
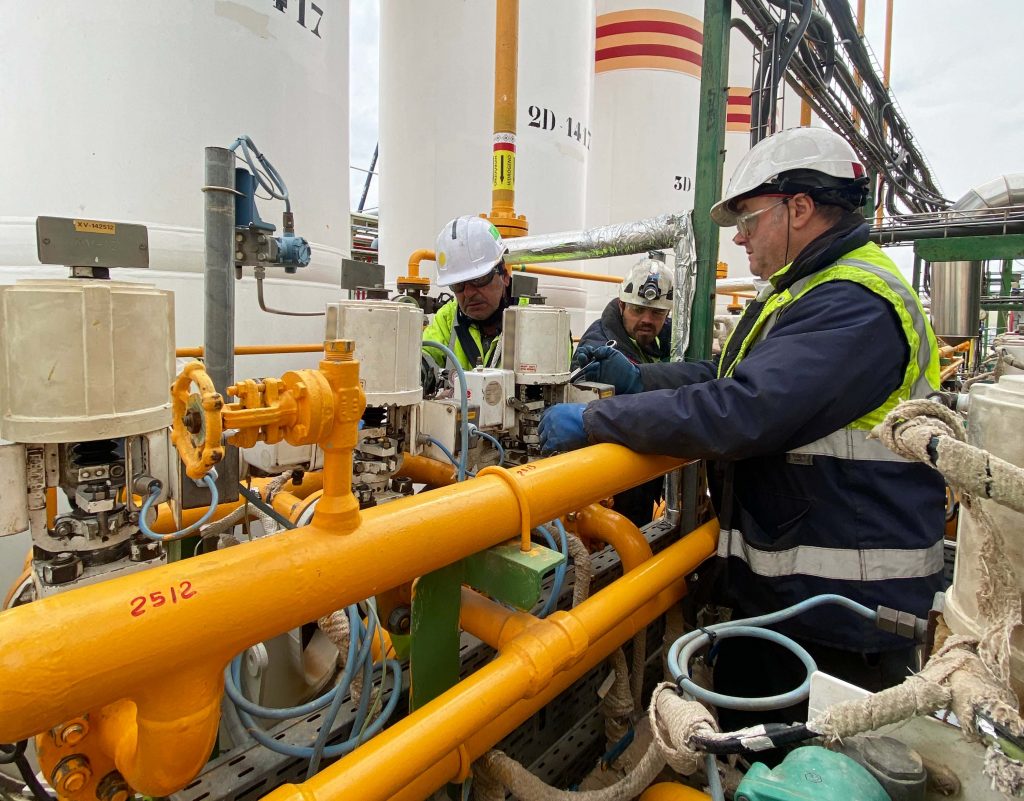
point(428, 375)
point(561, 428)
point(605, 365)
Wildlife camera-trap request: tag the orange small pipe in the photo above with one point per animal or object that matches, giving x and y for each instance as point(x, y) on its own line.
point(560, 273)
point(671, 791)
point(424, 470)
point(51, 505)
point(600, 523)
point(254, 350)
point(415, 259)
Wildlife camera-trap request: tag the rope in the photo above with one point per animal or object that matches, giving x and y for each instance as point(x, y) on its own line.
point(337, 630)
point(675, 723)
point(926, 431)
point(582, 567)
point(617, 705)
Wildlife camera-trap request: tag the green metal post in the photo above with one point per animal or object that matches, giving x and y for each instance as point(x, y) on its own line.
point(917, 273)
point(710, 159)
point(714, 90)
point(1005, 288)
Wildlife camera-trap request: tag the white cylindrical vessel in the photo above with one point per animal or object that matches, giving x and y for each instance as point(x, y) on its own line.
point(121, 137)
point(84, 360)
point(994, 423)
point(387, 337)
point(646, 106)
point(437, 121)
point(530, 338)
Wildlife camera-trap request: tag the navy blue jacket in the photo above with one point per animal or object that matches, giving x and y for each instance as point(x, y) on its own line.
point(610, 327)
point(834, 355)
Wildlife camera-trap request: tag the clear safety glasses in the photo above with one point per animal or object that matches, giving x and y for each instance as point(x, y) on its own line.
point(747, 222)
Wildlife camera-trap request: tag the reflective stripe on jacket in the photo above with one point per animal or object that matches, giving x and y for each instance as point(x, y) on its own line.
point(816, 506)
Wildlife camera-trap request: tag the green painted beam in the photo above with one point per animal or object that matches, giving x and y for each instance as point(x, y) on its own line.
point(434, 659)
point(971, 248)
point(511, 575)
point(710, 160)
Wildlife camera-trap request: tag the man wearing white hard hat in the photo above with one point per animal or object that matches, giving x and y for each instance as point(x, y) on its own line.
point(470, 261)
point(636, 319)
point(809, 504)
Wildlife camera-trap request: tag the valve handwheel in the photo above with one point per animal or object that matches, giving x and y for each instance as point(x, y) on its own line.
point(197, 425)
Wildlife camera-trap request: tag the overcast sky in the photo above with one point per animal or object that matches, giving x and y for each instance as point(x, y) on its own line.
point(955, 74)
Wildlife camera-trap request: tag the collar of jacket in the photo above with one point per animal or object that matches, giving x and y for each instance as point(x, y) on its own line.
point(849, 233)
point(611, 321)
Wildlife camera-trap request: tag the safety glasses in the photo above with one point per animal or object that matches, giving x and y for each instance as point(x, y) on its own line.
point(747, 222)
point(479, 283)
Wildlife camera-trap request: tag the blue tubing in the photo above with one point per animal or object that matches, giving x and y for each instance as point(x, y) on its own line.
point(463, 401)
point(683, 650)
point(209, 480)
point(559, 582)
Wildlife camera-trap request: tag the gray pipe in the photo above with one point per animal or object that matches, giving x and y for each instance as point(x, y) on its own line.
point(219, 275)
point(956, 285)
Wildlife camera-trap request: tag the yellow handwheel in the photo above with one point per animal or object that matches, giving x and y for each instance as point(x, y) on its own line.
point(196, 421)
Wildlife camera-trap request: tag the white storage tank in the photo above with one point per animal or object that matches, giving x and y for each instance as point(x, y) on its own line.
point(646, 107)
point(109, 106)
point(437, 121)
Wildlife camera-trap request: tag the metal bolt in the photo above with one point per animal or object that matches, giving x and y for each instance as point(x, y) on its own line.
point(86, 474)
point(72, 732)
point(62, 529)
point(339, 350)
point(239, 238)
point(193, 421)
point(400, 619)
point(571, 517)
point(113, 787)
point(116, 470)
point(239, 255)
point(71, 774)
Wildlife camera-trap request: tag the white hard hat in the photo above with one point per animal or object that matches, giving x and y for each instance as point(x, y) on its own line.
point(649, 283)
point(824, 159)
point(467, 248)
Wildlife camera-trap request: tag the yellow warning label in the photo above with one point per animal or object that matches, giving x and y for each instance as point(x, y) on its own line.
point(504, 170)
point(95, 227)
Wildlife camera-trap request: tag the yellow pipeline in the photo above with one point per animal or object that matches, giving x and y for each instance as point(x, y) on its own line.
point(605, 525)
point(557, 271)
point(424, 470)
point(670, 791)
point(179, 649)
point(165, 523)
point(254, 350)
point(437, 743)
point(506, 79)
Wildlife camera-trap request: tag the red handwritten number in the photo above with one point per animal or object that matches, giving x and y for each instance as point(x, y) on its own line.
point(158, 599)
point(138, 606)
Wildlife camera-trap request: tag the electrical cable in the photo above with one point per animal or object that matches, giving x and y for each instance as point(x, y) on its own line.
point(447, 453)
point(683, 650)
point(474, 431)
point(14, 753)
point(278, 192)
point(463, 402)
point(154, 491)
point(559, 580)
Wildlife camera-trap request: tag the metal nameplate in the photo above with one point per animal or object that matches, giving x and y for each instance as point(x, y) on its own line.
point(91, 243)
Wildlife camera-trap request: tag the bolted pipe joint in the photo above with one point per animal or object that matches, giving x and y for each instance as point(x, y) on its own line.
point(548, 647)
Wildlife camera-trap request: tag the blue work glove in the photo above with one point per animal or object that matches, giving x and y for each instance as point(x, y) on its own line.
point(561, 428)
point(604, 364)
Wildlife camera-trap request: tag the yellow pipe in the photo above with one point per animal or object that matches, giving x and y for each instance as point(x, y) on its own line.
point(556, 271)
point(424, 470)
point(503, 158)
point(254, 350)
point(224, 606)
point(607, 526)
point(291, 506)
point(437, 742)
point(670, 791)
point(490, 622)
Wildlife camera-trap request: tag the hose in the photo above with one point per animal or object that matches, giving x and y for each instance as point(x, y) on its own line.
point(683, 650)
point(474, 431)
point(14, 753)
point(278, 191)
point(556, 587)
point(154, 491)
point(463, 401)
